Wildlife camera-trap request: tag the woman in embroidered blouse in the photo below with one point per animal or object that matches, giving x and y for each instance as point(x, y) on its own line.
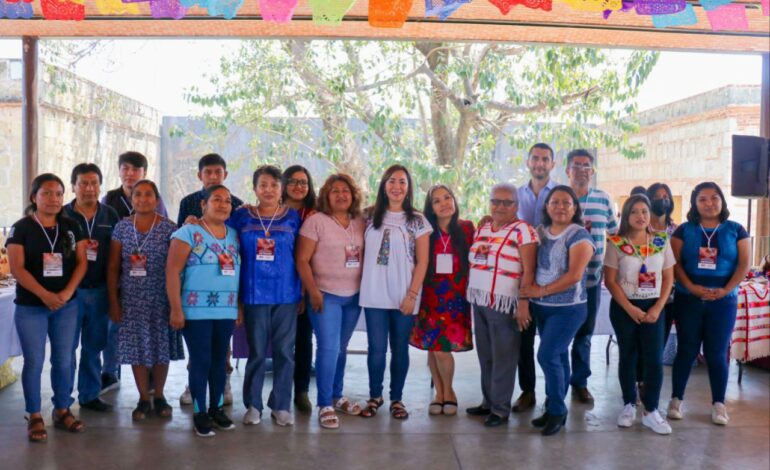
point(329, 262)
point(202, 276)
point(558, 297)
point(299, 194)
point(502, 258)
point(136, 273)
point(270, 292)
point(394, 269)
point(444, 323)
point(639, 273)
point(712, 258)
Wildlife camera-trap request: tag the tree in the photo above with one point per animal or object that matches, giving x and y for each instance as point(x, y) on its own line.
point(440, 108)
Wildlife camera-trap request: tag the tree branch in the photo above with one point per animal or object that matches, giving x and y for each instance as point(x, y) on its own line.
point(540, 107)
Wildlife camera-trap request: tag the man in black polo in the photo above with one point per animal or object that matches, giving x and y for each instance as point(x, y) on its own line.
point(97, 221)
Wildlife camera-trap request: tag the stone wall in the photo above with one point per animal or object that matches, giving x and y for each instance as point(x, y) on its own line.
point(79, 121)
point(687, 142)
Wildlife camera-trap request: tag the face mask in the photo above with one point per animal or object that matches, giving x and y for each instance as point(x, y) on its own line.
point(661, 207)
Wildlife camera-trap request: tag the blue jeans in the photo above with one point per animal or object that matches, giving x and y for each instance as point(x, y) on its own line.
point(274, 325)
point(110, 364)
point(33, 325)
point(91, 333)
point(383, 325)
point(581, 346)
point(643, 340)
point(207, 342)
point(557, 327)
point(703, 322)
point(333, 328)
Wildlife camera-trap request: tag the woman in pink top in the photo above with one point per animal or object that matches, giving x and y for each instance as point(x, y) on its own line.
point(329, 260)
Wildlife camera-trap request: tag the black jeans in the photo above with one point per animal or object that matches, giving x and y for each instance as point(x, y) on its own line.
point(527, 359)
point(303, 354)
point(668, 314)
point(635, 340)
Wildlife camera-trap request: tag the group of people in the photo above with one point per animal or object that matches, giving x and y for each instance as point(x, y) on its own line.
point(121, 280)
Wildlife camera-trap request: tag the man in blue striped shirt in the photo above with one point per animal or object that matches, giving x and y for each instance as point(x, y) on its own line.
point(599, 220)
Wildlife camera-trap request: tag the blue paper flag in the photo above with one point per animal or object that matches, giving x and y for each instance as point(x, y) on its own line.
point(683, 18)
point(709, 5)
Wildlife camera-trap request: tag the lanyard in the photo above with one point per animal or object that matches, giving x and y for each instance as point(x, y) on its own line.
point(267, 230)
point(136, 232)
point(347, 230)
point(208, 229)
point(55, 239)
point(643, 269)
point(90, 228)
point(445, 243)
point(709, 237)
point(125, 203)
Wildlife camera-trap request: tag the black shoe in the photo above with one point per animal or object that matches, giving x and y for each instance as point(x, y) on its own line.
point(202, 425)
point(96, 405)
point(220, 419)
point(493, 420)
point(553, 425)
point(526, 401)
point(478, 411)
point(109, 383)
point(583, 395)
point(541, 421)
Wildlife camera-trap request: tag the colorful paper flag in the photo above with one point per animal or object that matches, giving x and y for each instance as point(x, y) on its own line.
point(685, 17)
point(659, 7)
point(277, 11)
point(709, 5)
point(443, 8)
point(766, 7)
point(330, 12)
point(15, 10)
point(729, 18)
point(595, 5)
point(63, 9)
point(389, 13)
point(167, 9)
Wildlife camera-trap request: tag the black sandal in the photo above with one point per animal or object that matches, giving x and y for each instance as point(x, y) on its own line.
point(143, 408)
point(36, 435)
point(60, 422)
point(398, 410)
point(162, 408)
point(372, 405)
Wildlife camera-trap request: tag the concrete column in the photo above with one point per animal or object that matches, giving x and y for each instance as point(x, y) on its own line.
point(29, 106)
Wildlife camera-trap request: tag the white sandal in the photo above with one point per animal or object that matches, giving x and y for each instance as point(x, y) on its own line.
point(344, 405)
point(328, 418)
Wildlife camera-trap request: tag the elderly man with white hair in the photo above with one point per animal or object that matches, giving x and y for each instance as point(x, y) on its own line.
point(502, 258)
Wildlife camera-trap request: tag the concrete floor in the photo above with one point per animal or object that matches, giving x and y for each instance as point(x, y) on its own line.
point(592, 439)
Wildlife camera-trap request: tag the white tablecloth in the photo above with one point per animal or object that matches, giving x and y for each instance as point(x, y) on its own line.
point(9, 339)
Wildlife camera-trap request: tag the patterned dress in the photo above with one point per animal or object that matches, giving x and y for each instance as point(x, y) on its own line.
point(145, 337)
point(444, 321)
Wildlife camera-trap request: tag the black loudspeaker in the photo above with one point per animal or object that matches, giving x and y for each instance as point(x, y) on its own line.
point(751, 166)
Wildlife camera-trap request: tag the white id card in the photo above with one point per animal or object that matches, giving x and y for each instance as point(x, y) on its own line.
point(53, 265)
point(444, 263)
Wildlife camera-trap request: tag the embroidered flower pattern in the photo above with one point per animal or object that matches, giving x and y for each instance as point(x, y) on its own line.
point(384, 254)
point(216, 248)
point(192, 298)
point(198, 238)
point(231, 299)
point(656, 245)
point(213, 299)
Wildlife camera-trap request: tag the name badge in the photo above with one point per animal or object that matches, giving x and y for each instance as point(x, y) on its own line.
point(352, 256)
point(53, 265)
point(647, 283)
point(707, 258)
point(137, 265)
point(226, 264)
point(265, 249)
point(445, 263)
point(482, 253)
point(92, 249)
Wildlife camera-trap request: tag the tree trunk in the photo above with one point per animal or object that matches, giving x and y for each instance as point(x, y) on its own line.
point(437, 62)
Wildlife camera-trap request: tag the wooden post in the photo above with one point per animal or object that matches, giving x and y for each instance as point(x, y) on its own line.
point(762, 230)
point(29, 106)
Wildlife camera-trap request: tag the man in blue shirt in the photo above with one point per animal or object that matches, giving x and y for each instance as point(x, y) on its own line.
point(97, 221)
point(540, 162)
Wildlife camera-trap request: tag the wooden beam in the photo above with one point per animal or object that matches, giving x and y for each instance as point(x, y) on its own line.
point(29, 105)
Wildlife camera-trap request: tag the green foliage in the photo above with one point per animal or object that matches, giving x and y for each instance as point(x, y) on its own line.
point(570, 97)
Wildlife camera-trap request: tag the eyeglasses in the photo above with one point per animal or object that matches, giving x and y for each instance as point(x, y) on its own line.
point(581, 167)
point(503, 202)
point(295, 182)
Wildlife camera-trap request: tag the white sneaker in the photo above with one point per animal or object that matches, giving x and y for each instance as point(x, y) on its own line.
point(627, 416)
point(719, 414)
point(282, 417)
point(186, 398)
point(252, 416)
point(228, 398)
point(675, 409)
point(656, 422)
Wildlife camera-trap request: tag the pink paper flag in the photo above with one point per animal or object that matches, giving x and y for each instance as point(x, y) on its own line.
point(766, 7)
point(278, 11)
point(729, 18)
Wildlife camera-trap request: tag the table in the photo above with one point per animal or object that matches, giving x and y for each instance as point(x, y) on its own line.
point(9, 340)
point(751, 334)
